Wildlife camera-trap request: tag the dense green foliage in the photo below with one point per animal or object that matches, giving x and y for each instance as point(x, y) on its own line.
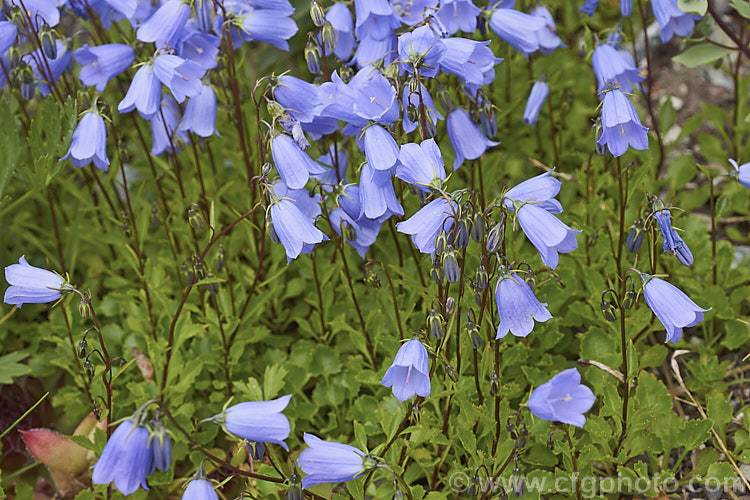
point(305, 328)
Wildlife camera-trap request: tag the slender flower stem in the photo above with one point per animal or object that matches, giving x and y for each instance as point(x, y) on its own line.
point(323, 328)
point(726, 29)
point(185, 295)
point(573, 459)
point(650, 83)
point(622, 201)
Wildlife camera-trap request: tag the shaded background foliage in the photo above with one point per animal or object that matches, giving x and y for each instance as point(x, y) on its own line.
point(274, 328)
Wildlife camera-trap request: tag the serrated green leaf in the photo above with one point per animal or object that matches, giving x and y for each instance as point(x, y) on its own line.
point(11, 367)
point(695, 433)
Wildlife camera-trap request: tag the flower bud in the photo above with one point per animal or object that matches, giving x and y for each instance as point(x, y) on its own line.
point(330, 37)
point(494, 380)
point(437, 272)
point(482, 278)
point(272, 232)
point(488, 121)
point(82, 347)
point(450, 264)
point(312, 57)
point(195, 217)
point(435, 323)
point(444, 99)
point(412, 113)
point(48, 37)
point(519, 482)
point(451, 372)
point(256, 450)
point(441, 241)
point(608, 310)
point(265, 170)
point(461, 235)
point(317, 13)
point(449, 305)
point(295, 486)
point(473, 331)
point(494, 239)
point(430, 130)
point(398, 494)
point(220, 258)
point(14, 57)
point(84, 306)
point(635, 236)
point(28, 90)
point(477, 227)
point(346, 73)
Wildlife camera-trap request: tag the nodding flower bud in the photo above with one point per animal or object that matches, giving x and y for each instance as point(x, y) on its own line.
point(437, 272)
point(494, 239)
point(265, 170)
point(346, 73)
point(449, 305)
point(256, 450)
point(372, 279)
point(412, 113)
point(519, 482)
point(275, 109)
point(84, 306)
point(461, 235)
point(473, 331)
point(482, 279)
point(630, 295)
point(635, 236)
point(451, 372)
point(48, 37)
point(494, 381)
point(317, 13)
point(441, 241)
point(14, 57)
point(477, 227)
point(330, 37)
point(125, 224)
point(608, 309)
point(430, 129)
point(435, 323)
point(195, 218)
point(312, 57)
point(295, 486)
point(450, 264)
point(598, 129)
point(82, 348)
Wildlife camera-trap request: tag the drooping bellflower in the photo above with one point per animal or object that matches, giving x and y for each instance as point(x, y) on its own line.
point(32, 285)
point(672, 307)
point(421, 165)
point(294, 225)
point(293, 164)
point(376, 19)
point(672, 20)
point(89, 142)
point(200, 113)
point(144, 93)
point(517, 306)
point(329, 462)
point(409, 374)
point(621, 126)
point(467, 139)
point(182, 77)
point(458, 15)
point(470, 60)
point(562, 399)
point(340, 18)
point(413, 98)
point(425, 225)
point(519, 30)
point(589, 7)
point(421, 49)
point(376, 194)
point(101, 63)
point(257, 421)
point(548, 39)
point(164, 133)
point(541, 190)
point(613, 69)
point(165, 24)
point(538, 95)
point(200, 488)
point(126, 458)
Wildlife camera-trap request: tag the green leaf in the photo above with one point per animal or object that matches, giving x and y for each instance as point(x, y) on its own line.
point(719, 410)
point(695, 433)
point(723, 473)
point(742, 7)
point(273, 381)
point(693, 6)
point(10, 367)
point(325, 361)
point(700, 54)
point(83, 441)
